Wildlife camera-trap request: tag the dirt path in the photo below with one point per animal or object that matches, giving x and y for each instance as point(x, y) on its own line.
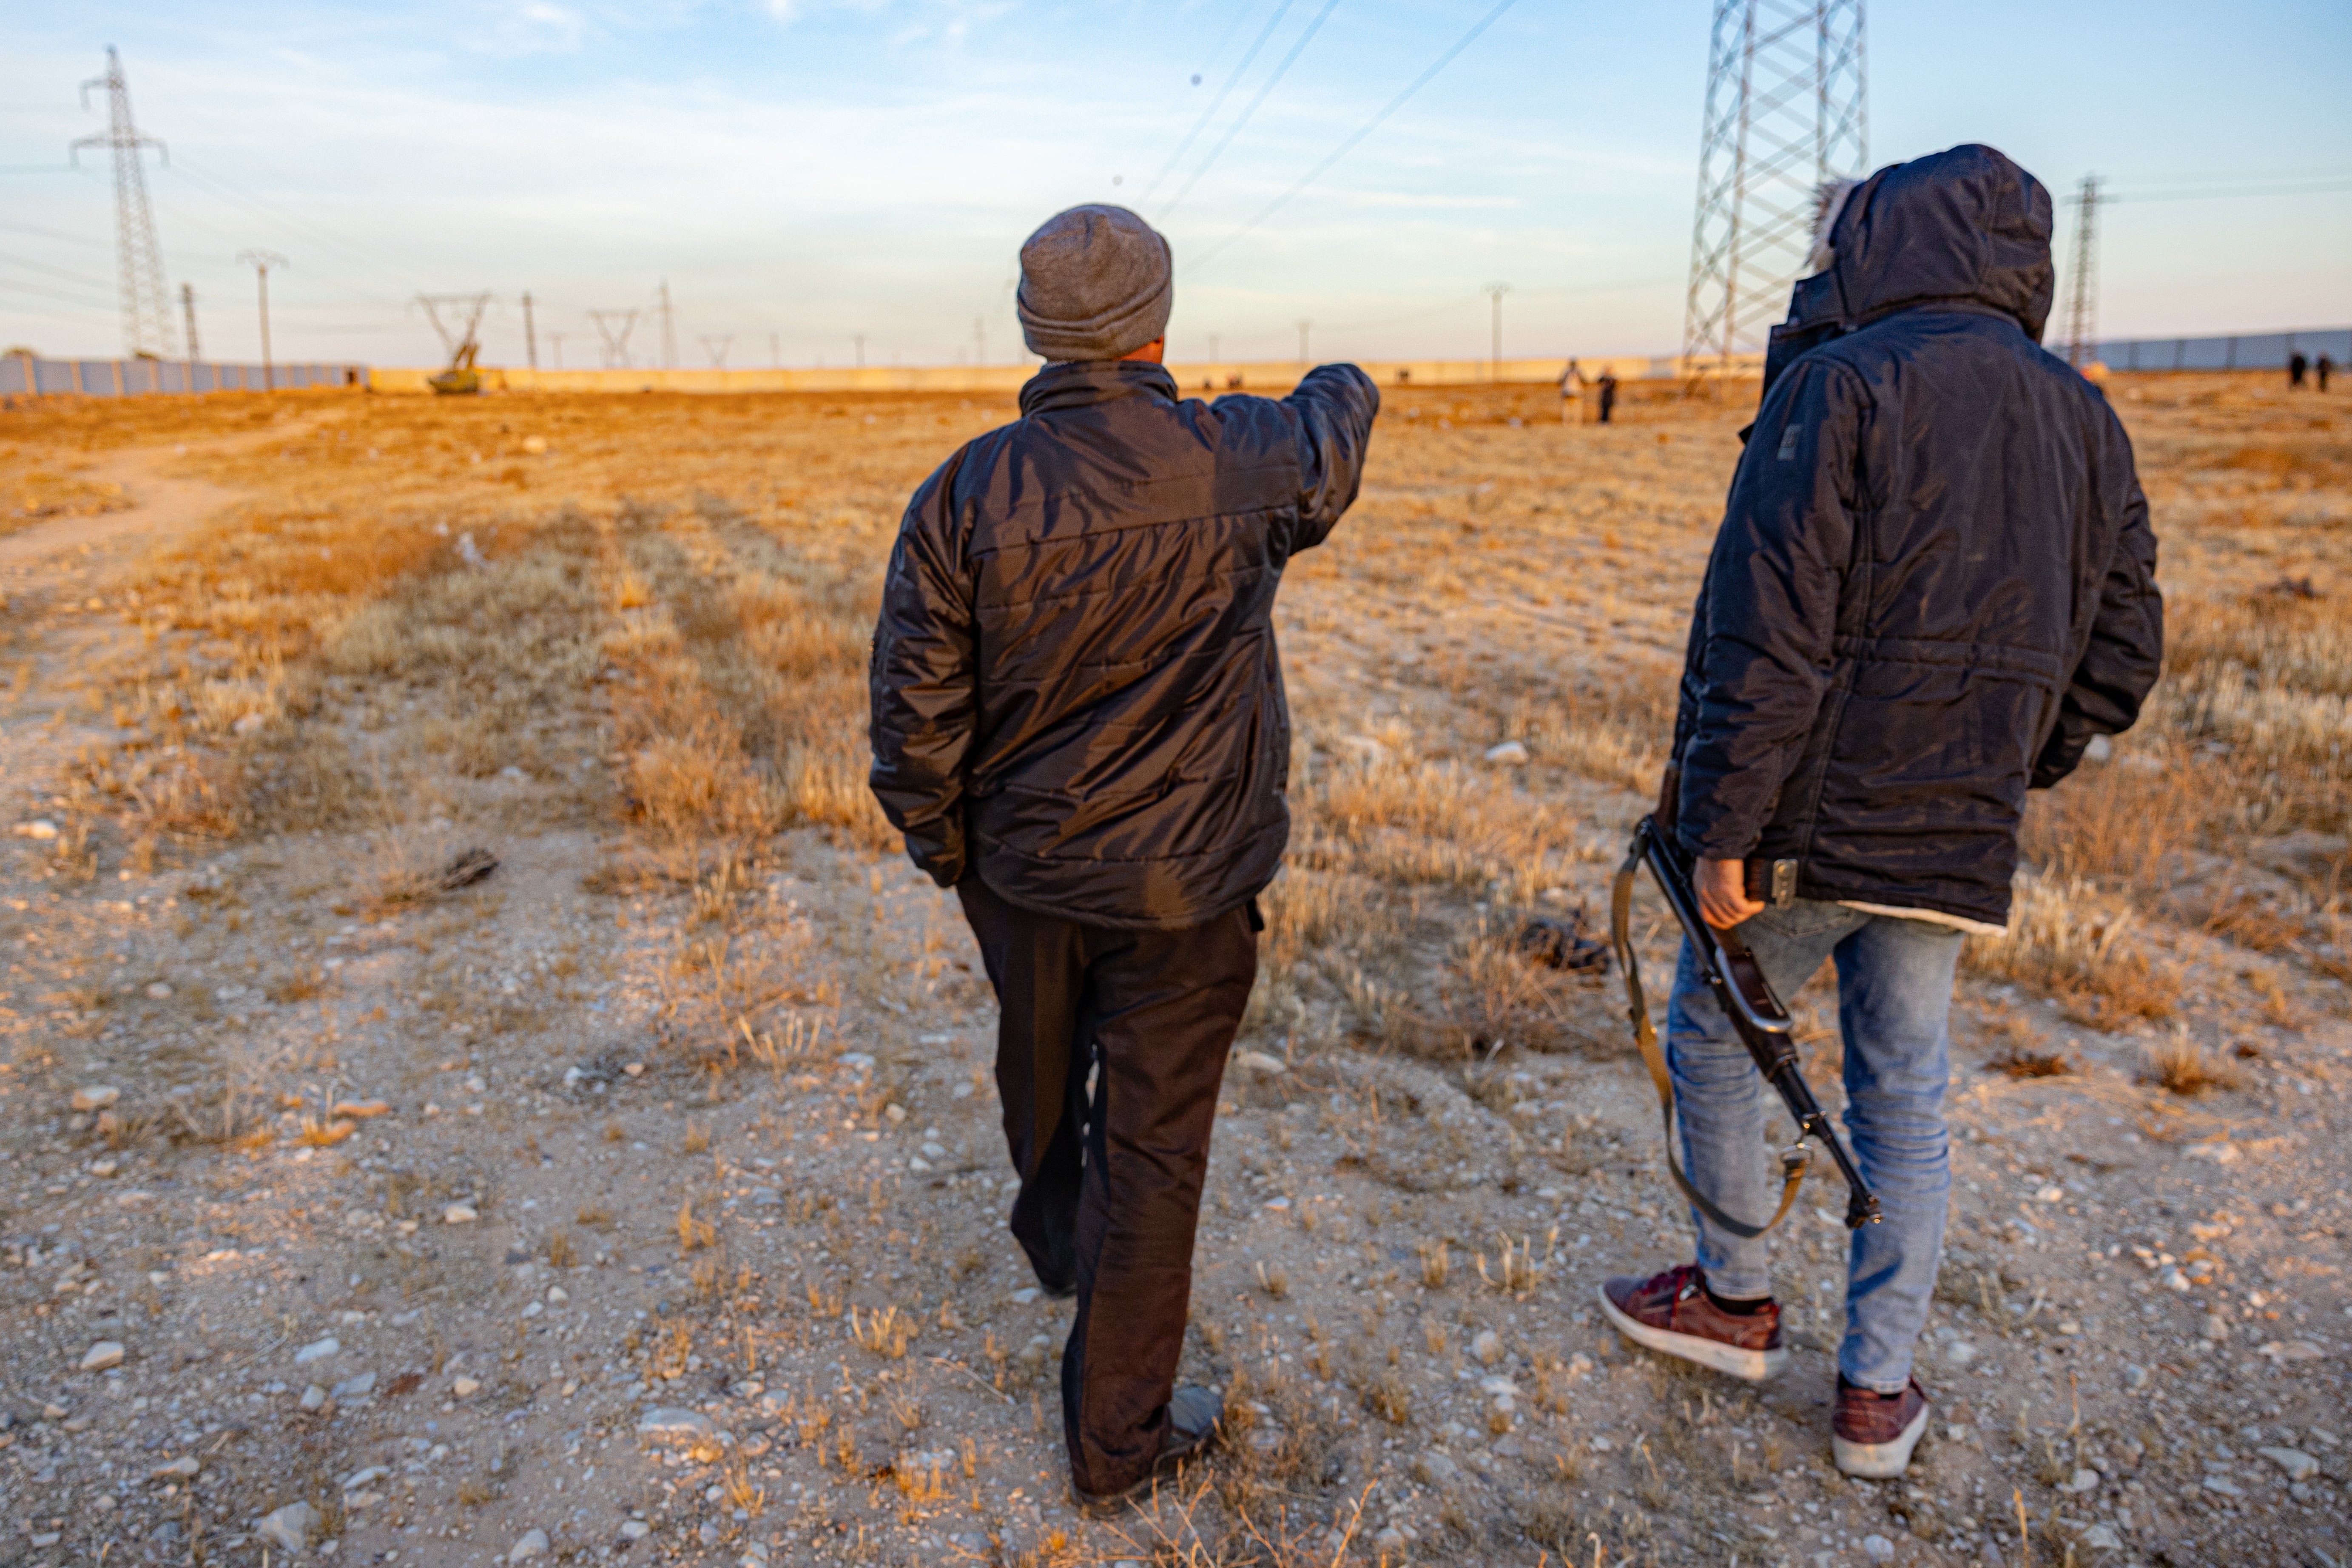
point(161, 503)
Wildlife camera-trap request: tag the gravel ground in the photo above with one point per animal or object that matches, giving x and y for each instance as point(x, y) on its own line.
point(487, 1266)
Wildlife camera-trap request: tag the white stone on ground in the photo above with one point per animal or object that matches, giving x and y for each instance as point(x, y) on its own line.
point(289, 1526)
point(671, 1425)
point(2298, 1465)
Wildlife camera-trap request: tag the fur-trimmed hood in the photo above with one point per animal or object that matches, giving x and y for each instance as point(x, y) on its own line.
point(1964, 225)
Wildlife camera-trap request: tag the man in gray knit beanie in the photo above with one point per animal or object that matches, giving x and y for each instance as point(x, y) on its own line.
point(1095, 283)
point(1078, 725)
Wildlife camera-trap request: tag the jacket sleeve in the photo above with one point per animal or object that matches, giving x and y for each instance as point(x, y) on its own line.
point(1760, 655)
point(923, 680)
point(1335, 405)
point(2125, 651)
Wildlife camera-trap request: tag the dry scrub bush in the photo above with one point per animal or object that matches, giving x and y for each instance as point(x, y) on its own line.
point(2187, 1069)
point(2066, 937)
point(2128, 819)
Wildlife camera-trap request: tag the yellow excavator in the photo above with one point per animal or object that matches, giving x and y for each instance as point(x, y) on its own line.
point(461, 378)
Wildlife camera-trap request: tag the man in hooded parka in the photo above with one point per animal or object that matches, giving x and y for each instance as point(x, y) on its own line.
point(1933, 586)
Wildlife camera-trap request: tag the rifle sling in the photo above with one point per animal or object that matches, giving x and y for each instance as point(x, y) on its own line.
point(1793, 1160)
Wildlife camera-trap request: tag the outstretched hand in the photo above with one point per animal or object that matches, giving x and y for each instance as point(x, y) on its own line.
point(1723, 901)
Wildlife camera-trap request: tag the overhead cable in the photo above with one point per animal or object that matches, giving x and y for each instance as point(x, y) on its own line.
point(308, 229)
point(2219, 192)
point(1235, 128)
point(1344, 148)
point(1218, 103)
point(56, 234)
point(85, 301)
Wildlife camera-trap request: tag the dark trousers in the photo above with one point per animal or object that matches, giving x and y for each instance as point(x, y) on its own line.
point(1111, 1183)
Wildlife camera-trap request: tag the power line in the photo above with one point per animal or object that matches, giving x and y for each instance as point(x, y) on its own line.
point(1235, 128)
point(2211, 176)
point(81, 239)
point(84, 301)
point(358, 292)
point(1218, 103)
point(1344, 148)
point(2220, 192)
point(311, 231)
point(44, 267)
point(1242, 8)
point(1467, 303)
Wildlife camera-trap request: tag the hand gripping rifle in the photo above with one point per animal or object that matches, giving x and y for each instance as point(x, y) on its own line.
point(1762, 1024)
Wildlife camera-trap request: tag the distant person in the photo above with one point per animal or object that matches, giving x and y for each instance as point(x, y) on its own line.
point(1078, 724)
point(1571, 395)
point(2321, 367)
point(1608, 396)
point(1918, 606)
point(2295, 366)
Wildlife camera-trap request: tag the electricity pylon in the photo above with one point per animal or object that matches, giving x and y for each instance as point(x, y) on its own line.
point(1785, 111)
point(2083, 298)
point(261, 261)
point(457, 334)
point(137, 258)
point(716, 347)
point(1495, 291)
point(614, 327)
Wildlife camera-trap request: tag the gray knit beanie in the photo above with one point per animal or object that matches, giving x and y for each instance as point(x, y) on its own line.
point(1095, 283)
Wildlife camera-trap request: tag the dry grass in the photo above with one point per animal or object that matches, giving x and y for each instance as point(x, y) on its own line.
point(419, 632)
point(2068, 939)
point(2187, 1069)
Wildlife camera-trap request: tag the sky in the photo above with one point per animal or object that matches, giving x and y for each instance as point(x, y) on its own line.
point(817, 179)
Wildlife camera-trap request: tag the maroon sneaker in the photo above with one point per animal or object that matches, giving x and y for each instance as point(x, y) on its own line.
point(1873, 1434)
point(1670, 1314)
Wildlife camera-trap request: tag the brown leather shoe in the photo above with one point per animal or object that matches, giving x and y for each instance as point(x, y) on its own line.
point(1873, 1434)
point(1670, 1314)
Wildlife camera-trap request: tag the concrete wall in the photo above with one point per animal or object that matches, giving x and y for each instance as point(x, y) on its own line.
point(1192, 377)
point(2246, 350)
point(24, 372)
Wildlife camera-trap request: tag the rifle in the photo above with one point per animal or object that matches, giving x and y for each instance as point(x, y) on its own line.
point(1762, 1024)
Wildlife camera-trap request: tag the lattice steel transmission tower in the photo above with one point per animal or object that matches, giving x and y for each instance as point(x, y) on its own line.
point(1785, 111)
point(2083, 298)
point(137, 258)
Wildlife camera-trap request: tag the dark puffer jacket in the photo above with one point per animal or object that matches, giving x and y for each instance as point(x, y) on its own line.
point(1076, 689)
point(1935, 580)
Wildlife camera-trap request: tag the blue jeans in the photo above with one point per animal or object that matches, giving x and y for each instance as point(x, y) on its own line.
point(1895, 998)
